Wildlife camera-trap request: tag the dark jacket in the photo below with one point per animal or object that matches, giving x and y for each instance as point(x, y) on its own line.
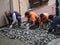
point(56, 21)
point(17, 14)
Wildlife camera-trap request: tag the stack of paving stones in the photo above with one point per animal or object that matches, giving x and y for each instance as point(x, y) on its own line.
point(33, 37)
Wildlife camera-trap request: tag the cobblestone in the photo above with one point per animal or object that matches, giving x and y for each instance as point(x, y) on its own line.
point(34, 37)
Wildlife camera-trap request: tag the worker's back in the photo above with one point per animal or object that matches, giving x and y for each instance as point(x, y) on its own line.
point(33, 16)
point(45, 18)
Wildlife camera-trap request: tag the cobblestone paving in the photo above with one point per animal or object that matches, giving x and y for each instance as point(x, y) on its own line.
point(33, 37)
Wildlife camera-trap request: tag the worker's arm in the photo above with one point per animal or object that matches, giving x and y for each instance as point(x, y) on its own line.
point(14, 19)
point(32, 24)
point(26, 22)
point(40, 25)
point(52, 26)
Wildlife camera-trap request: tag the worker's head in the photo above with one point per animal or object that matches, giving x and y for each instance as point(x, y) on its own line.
point(7, 13)
point(27, 14)
point(51, 17)
point(42, 15)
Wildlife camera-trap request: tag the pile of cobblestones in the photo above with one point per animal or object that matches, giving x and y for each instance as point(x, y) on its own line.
point(33, 37)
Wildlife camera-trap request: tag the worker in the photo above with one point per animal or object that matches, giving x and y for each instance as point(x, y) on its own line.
point(13, 17)
point(33, 19)
point(55, 24)
point(44, 21)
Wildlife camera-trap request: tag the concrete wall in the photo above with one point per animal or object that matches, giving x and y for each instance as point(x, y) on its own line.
point(4, 5)
point(15, 5)
point(24, 6)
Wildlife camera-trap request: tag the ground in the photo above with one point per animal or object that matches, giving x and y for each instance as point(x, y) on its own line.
point(6, 41)
point(25, 37)
point(55, 42)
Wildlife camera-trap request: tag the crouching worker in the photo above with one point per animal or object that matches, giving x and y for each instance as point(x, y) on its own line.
point(55, 25)
point(33, 19)
point(13, 17)
point(44, 21)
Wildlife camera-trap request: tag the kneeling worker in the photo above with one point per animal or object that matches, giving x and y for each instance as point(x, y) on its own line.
point(33, 19)
point(12, 17)
point(44, 21)
point(55, 24)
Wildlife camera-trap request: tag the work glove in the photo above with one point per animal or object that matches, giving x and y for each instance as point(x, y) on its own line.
point(10, 26)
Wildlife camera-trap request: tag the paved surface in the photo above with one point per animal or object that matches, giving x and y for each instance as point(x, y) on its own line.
point(7, 41)
point(32, 37)
point(46, 9)
point(27, 37)
point(55, 42)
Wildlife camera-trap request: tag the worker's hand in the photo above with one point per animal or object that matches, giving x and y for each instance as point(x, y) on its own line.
point(27, 27)
point(24, 24)
point(10, 26)
point(40, 27)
